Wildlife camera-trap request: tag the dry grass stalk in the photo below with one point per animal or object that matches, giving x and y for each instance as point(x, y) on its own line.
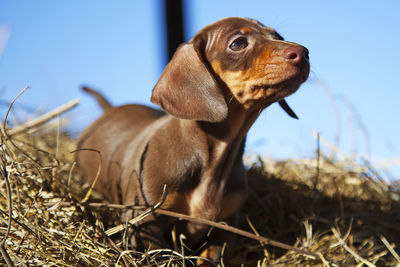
point(44, 118)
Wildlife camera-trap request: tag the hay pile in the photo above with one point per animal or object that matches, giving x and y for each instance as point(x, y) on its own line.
point(343, 213)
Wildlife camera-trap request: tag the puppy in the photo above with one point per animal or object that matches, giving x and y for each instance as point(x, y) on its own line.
point(212, 91)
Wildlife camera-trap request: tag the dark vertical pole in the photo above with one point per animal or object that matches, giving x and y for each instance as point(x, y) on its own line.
point(174, 25)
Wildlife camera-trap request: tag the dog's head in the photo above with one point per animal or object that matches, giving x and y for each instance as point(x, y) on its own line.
point(234, 57)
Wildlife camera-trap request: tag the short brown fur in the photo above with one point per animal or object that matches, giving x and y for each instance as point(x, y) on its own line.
point(212, 92)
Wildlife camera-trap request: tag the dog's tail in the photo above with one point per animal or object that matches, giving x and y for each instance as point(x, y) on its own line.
point(105, 105)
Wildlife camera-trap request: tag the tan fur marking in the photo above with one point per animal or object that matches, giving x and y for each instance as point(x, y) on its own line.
point(246, 30)
point(230, 205)
point(212, 252)
point(266, 70)
point(177, 202)
point(198, 207)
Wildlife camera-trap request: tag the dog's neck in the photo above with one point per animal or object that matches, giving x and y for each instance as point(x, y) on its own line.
point(225, 140)
point(234, 127)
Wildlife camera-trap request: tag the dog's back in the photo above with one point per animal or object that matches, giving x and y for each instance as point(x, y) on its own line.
point(107, 139)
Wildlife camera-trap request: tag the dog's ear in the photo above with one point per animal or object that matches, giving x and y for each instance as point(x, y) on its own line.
point(285, 106)
point(187, 89)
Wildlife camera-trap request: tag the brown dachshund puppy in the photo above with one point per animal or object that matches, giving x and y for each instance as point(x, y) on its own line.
point(213, 90)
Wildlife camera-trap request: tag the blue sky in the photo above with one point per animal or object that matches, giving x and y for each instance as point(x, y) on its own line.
point(351, 97)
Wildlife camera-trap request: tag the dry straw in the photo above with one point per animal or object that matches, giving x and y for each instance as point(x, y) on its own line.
point(347, 216)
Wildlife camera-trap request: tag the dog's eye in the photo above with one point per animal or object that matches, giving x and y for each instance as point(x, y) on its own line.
point(239, 44)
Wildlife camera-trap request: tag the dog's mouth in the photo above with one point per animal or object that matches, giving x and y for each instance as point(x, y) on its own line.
point(281, 89)
point(295, 76)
